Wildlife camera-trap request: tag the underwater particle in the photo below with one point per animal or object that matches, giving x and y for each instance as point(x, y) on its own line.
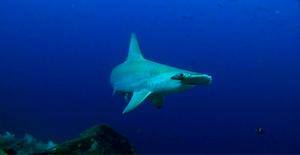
point(260, 131)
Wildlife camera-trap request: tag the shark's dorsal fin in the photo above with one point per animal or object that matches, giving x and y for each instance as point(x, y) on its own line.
point(134, 52)
point(136, 99)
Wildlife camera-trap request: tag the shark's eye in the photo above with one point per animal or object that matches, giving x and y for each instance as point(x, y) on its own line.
point(178, 76)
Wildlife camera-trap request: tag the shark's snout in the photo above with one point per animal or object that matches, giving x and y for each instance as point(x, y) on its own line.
point(209, 79)
point(202, 79)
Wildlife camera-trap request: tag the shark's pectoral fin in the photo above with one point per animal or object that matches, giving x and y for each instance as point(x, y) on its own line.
point(157, 100)
point(136, 99)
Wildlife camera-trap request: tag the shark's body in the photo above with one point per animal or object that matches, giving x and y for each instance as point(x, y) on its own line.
point(145, 79)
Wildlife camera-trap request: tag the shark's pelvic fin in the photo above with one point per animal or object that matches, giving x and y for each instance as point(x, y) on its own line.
point(136, 99)
point(134, 52)
point(157, 100)
point(126, 97)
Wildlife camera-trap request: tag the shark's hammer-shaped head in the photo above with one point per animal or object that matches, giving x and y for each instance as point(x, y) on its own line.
point(143, 79)
point(192, 79)
point(176, 81)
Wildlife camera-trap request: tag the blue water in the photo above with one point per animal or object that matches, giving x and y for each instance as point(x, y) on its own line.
point(56, 58)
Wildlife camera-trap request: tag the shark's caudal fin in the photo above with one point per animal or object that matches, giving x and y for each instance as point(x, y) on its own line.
point(136, 99)
point(134, 52)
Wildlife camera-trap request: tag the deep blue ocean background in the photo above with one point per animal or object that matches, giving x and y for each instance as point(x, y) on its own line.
point(56, 57)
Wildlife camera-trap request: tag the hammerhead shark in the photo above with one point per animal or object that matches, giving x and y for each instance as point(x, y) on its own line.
point(144, 79)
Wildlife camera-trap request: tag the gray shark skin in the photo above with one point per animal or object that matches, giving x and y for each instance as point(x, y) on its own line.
point(144, 79)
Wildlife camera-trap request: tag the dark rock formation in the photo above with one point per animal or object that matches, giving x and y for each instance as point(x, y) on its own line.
point(100, 139)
